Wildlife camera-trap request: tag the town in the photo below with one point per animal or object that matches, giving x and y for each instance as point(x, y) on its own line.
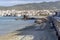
point(18, 13)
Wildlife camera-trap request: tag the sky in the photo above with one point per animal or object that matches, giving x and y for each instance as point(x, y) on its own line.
point(14, 2)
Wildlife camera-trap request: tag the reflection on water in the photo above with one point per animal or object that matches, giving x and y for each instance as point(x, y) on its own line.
point(9, 24)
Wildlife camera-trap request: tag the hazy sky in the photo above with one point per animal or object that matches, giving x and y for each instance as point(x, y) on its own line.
point(14, 2)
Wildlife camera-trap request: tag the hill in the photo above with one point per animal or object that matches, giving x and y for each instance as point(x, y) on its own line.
point(34, 6)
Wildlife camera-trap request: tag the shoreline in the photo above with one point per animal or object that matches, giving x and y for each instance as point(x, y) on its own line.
point(12, 35)
point(30, 33)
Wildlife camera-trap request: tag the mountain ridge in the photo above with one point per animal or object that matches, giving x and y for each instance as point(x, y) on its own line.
point(34, 6)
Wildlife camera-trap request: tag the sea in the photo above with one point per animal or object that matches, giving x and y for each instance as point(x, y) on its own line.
point(10, 24)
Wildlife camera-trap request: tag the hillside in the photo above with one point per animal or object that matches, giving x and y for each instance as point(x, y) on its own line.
point(35, 6)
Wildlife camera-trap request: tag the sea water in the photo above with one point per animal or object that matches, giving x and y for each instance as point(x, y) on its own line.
point(9, 24)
